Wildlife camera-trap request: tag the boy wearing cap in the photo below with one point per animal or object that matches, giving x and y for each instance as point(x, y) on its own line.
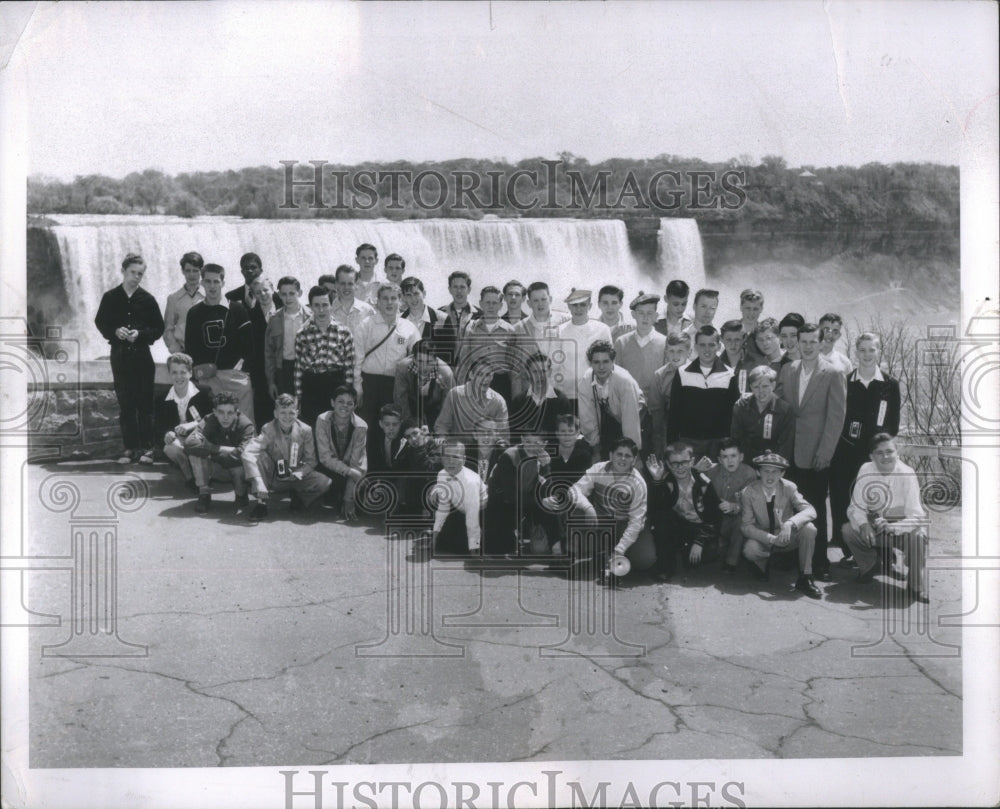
point(674, 321)
point(572, 341)
point(609, 301)
point(283, 458)
point(777, 518)
point(641, 353)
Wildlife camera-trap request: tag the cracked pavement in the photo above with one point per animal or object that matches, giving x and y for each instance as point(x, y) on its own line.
point(252, 638)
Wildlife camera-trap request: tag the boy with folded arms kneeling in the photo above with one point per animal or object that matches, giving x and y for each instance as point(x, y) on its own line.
point(283, 458)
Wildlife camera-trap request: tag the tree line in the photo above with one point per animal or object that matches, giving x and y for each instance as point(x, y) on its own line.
point(901, 197)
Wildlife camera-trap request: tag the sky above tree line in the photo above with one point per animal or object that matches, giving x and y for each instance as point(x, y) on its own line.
point(113, 88)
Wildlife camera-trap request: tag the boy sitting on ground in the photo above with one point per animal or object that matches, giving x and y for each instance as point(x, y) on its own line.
point(459, 495)
point(729, 477)
point(777, 518)
point(184, 404)
point(283, 458)
point(341, 445)
point(686, 511)
point(215, 446)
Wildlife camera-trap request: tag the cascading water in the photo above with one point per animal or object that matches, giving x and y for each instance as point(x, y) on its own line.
point(680, 254)
point(563, 252)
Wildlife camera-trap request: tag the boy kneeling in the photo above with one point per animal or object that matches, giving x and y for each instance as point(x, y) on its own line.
point(777, 518)
point(283, 458)
point(459, 494)
point(214, 447)
point(686, 513)
point(341, 439)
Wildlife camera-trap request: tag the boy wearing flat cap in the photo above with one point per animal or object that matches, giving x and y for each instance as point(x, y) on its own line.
point(569, 349)
point(642, 352)
point(777, 518)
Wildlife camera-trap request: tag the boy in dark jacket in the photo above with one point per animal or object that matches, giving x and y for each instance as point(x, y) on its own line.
point(184, 405)
point(215, 448)
point(684, 509)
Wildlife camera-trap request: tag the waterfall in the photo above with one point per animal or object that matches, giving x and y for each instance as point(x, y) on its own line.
point(680, 255)
point(563, 252)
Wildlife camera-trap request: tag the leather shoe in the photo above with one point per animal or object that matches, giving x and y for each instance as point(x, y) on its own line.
point(204, 503)
point(804, 584)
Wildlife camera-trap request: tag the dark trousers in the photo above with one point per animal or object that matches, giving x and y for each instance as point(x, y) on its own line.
point(263, 404)
point(675, 535)
point(376, 391)
point(133, 371)
point(316, 390)
point(453, 538)
point(847, 460)
point(813, 484)
point(286, 377)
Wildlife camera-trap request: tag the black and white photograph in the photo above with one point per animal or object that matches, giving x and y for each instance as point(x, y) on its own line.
point(493, 404)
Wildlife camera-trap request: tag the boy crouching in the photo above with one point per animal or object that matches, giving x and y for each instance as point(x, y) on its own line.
point(183, 404)
point(776, 518)
point(283, 458)
point(214, 447)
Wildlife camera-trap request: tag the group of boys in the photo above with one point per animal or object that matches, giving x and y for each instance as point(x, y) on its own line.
point(550, 424)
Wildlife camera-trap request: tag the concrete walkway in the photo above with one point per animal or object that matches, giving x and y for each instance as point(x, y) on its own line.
point(272, 644)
